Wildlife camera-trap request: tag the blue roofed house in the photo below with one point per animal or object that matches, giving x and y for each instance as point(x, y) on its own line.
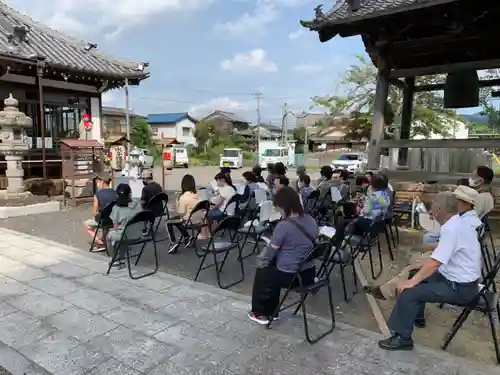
point(179, 126)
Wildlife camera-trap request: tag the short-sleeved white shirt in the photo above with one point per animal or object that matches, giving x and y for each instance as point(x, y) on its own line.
point(227, 192)
point(458, 251)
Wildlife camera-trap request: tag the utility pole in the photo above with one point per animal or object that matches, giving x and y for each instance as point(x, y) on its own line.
point(284, 125)
point(127, 115)
point(258, 96)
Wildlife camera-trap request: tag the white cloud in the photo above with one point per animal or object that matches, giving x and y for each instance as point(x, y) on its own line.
point(307, 68)
point(95, 17)
point(249, 23)
point(222, 103)
point(296, 34)
point(254, 61)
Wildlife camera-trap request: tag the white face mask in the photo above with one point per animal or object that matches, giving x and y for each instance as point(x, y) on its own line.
point(472, 182)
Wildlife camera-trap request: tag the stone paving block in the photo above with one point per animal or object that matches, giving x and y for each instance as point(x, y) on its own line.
point(24, 273)
point(213, 349)
point(182, 335)
point(93, 300)
point(147, 322)
point(206, 319)
point(196, 297)
point(349, 365)
point(64, 355)
point(6, 309)
point(145, 297)
point(6, 262)
point(134, 349)
point(80, 323)
point(232, 307)
point(182, 365)
point(16, 253)
point(55, 285)
point(113, 367)
point(39, 304)
point(11, 288)
point(21, 329)
point(13, 361)
point(39, 261)
point(153, 282)
point(106, 284)
point(69, 270)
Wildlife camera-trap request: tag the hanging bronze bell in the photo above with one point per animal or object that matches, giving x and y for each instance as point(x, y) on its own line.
point(461, 90)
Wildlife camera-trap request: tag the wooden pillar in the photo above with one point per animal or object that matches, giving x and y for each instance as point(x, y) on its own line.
point(39, 76)
point(378, 121)
point(406, 117)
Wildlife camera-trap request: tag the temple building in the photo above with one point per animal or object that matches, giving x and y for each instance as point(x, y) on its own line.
point(62, 78)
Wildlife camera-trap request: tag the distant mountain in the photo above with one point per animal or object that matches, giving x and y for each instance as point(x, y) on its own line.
point(476, 117)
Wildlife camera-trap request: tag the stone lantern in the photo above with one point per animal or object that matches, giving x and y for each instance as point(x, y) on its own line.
point(13, 125)
point(135, 162)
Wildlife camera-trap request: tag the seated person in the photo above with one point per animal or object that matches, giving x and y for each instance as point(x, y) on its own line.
point(344, 188)
point(281, 182)
point(186, 201)
point(481, 180)
point(225, 192)
point(103, 196)
point(257, 171)
point(375, 206)
point(124, 209)
point(250, 185)
point(305, 190)
point(291, 242)
point(465, 207)
point(325, 183)
point(271, 176)
point(150, 189)
point(301, 172)
point(449, 276)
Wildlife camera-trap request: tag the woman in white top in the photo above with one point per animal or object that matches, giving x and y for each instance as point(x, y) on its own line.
point(225, 193)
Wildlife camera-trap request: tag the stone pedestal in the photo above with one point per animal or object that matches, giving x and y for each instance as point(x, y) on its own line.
point(14, 174)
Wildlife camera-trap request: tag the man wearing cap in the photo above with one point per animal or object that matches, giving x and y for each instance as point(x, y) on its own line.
point(104, 195)
point(466, 197)
point(150, 189)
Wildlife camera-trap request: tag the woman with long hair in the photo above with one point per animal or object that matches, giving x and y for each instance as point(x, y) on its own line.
point(220, 203)
point(292, 241)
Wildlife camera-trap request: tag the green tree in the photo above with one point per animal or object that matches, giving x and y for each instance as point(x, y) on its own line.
point(141, 134)
point(299, 135)
point(206, 136)
point(359, 81)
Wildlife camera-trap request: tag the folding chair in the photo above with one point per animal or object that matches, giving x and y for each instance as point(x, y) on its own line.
point(486, 301)
point(159, 206)
point(190, 227)
point(390, 222)
point(132, 236)
point(320, 251)
point(218, 245)
point(487, 230)
point(257, 227)
point(105, 224)
point(311, 203)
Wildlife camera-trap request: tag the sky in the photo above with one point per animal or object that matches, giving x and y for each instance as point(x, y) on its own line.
point(209, 54)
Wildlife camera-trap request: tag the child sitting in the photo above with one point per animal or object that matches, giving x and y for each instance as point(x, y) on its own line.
point(124, 210)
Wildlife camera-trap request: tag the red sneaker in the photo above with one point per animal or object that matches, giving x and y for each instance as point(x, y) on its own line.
point(258, 318)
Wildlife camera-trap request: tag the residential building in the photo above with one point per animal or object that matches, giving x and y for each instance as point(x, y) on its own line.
point(180, 126)
point(310, 119)
point(227, 121)
point(72, 75)
point(114, 121)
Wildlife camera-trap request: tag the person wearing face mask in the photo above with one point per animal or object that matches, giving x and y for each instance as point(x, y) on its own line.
point(450, 275)
point(481, 180)
point(103, 196)
point(150, 189)
point(466, 197)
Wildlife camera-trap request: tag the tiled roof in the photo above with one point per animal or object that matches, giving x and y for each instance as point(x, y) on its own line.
point(340, 13)
point(167, 118)
point(59, 50)
point(228, 115)
point(81, 143)
point(115, 111)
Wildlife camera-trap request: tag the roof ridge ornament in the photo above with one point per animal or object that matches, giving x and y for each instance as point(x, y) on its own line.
point(318, 13)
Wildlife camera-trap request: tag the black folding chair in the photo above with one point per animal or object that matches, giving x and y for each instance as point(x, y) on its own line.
point(134, 235)
point(257, 227)
point(486, 301)
point(189, 227)
point(159, 206)
point(297, 285)
point(487, 230)
point(105, 224)
point(311, 203)
point(389, 223)
point(219, 245)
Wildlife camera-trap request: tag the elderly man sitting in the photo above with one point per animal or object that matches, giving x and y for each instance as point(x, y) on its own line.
point(466, 197)
point(450, 275)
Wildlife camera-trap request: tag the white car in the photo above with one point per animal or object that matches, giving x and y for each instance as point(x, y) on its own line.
point(351, 161)
point(181, 158)
point(147, 159)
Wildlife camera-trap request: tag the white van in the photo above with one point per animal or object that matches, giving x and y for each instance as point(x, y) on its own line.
point(146, 158)
point(232, 158)
point(274, 155)
point(181, 157)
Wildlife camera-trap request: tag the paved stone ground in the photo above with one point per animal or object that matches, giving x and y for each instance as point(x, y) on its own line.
point(62, 316)
point(184, 264)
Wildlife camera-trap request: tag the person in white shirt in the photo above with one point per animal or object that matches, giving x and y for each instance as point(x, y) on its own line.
point(449, 276)
point(465, 207)
point(220, 203)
